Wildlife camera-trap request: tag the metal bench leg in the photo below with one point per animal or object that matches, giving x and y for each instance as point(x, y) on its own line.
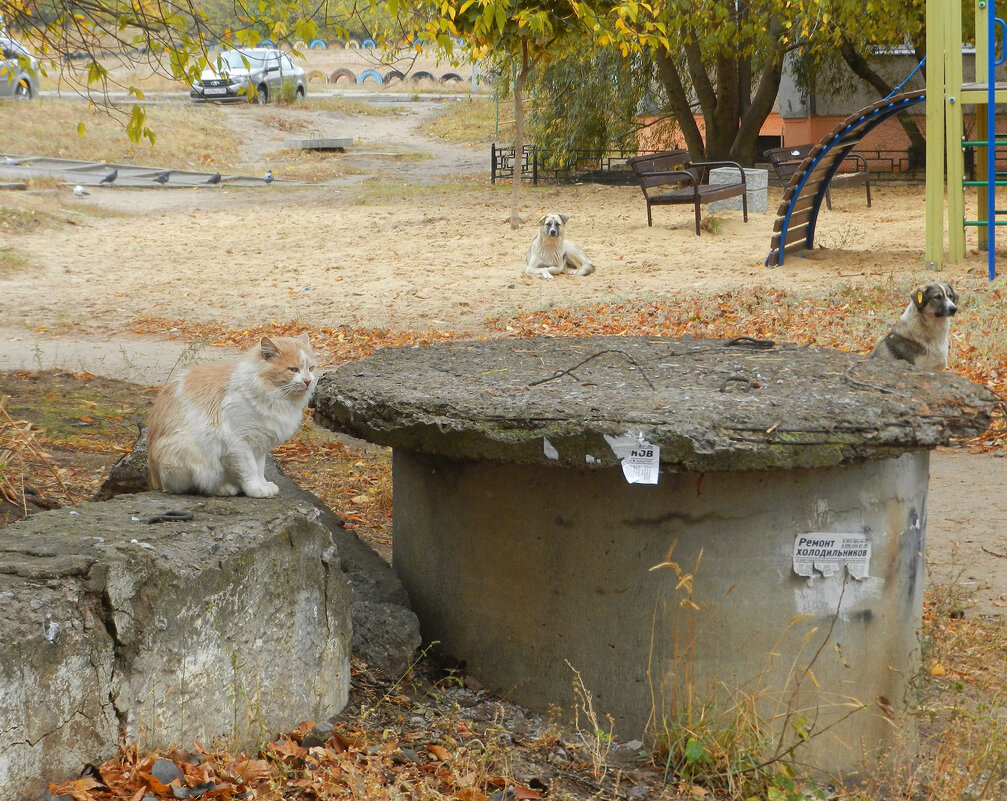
point(744, 204)
point(697, 218)
point(650, 222)
point(868, 185)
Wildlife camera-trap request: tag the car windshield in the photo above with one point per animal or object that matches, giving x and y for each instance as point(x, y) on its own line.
point(12, 49)
point(237, 60)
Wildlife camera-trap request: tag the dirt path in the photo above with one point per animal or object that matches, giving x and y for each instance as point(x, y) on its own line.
point(432, 248)
point(390, 140)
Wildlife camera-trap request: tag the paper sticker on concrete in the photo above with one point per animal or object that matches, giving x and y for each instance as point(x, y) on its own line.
point(549, 449)
point(641, 461)
point(830, 553)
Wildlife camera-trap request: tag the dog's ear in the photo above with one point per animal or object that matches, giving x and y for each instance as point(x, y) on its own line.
point(920, 296)
point(564, 218)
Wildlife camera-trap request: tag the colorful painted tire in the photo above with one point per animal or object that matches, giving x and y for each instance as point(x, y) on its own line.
point(342, 72)
point(423, 75)
point(316, 74)
point(363, 76)
point(394, 75)
point(317, 43)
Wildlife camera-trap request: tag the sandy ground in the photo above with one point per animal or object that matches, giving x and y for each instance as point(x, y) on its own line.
point(422, 241)
point(433, 257)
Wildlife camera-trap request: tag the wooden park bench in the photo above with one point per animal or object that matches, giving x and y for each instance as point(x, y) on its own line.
point(671, 178)
point(786, 161)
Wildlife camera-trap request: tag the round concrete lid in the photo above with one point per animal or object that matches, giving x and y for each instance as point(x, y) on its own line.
point(708, 404)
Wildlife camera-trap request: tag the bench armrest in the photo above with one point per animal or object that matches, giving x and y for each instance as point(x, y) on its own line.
point(667, 173)
point(860, 161)
point(719, 164)
point(650, 180)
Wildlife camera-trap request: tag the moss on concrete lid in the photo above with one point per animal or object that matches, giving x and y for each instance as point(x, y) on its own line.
point(709, 404)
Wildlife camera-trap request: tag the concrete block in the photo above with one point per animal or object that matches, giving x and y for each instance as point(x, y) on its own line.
point(756, 189)
point(231, 625)
point(318, 143)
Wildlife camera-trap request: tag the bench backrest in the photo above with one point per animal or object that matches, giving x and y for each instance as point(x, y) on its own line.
point(786, 160)
point(666, 161)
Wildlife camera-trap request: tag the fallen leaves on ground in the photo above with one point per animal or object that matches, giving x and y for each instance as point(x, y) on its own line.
point(379, 752)
point(335, 345)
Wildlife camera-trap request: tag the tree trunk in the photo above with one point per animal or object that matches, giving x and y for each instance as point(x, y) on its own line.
point(515, 192)
point(760, 104)
point(671, 79)
point(860, 67)
point(732, 116)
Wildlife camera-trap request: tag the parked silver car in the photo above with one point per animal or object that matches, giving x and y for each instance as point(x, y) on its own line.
point(18, 70)
point(256, 74)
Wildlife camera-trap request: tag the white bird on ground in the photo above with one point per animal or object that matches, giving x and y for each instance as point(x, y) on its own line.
point(80, 191)
point(269, 177)
point(11, 162)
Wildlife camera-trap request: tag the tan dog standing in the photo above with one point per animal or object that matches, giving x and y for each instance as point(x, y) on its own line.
point(551, 253)
point(920, 337)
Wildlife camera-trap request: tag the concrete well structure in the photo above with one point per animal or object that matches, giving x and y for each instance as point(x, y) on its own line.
point(778, 556)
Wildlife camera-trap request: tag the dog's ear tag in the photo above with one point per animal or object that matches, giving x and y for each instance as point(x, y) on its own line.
point(919, 298)
point(541, 219)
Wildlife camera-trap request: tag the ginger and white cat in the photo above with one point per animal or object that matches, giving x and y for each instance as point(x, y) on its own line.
point(212, 426)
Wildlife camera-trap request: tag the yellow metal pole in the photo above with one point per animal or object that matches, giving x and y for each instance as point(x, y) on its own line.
point(936, 46)
point(953, 126)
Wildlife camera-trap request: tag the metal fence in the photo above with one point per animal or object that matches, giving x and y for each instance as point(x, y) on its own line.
point(609, 166)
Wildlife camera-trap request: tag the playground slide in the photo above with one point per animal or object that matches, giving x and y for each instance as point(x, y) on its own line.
point(794, 229)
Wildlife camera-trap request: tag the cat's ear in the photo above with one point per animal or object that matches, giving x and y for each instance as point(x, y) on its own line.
point(269, 350)
point(303, 339)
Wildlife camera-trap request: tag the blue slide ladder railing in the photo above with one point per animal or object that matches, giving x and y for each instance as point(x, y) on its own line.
point(798, 213)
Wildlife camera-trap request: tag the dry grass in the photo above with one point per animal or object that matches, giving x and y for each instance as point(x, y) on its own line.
point(356, 482)
point(186, 134)
point(343, 104)
point(46, 205)
point(12, 260)
point(20, 451)
point(475, 120)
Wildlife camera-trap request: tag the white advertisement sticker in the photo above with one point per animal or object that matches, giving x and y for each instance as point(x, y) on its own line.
point(641, 461)
point(830, 553)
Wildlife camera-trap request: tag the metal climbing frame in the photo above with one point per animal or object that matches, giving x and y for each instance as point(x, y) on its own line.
point(945, 113)
point(987, 219)
point(794, 229)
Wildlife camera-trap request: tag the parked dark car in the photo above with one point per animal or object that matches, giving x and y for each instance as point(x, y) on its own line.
point(254, 74)
point(18, 70)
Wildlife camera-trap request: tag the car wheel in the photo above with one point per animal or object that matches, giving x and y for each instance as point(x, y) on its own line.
point(23, 91)
point(262, 94)
point(299, 94)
